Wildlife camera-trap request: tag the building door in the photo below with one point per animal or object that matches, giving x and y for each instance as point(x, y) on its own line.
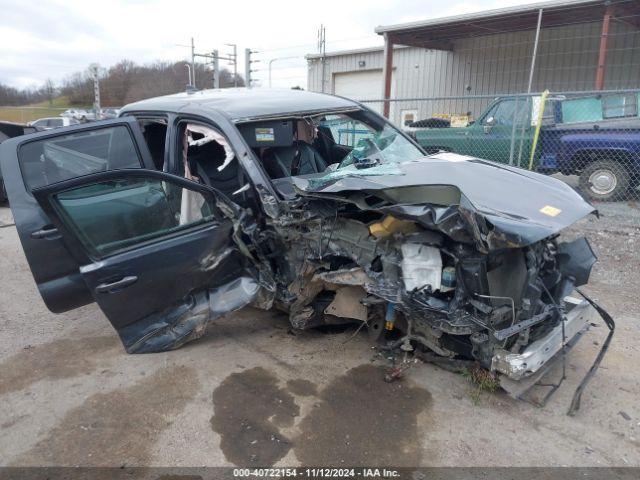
point(364, 85)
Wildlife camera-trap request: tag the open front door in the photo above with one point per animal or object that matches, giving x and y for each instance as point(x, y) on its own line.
point(155, 252)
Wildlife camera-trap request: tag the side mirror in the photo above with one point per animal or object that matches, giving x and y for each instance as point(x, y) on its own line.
point(488, 124)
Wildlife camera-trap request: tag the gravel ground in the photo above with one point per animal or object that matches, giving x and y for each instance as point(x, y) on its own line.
point(249, 393)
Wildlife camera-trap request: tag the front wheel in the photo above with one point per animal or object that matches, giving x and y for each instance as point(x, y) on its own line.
point(604, 180)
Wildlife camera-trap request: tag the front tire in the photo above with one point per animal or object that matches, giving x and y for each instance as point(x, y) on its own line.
point(604, 180)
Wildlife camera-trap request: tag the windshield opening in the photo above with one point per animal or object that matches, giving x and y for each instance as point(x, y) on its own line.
point(367, 144)
point(325, 144)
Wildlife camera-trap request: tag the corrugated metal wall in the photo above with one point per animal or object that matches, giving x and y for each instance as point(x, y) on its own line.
point(499, 63)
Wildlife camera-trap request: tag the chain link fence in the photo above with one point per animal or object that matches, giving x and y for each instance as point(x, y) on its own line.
point(589, 139)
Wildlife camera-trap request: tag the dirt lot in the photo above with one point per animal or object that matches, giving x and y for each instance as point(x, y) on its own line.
point(249, 393)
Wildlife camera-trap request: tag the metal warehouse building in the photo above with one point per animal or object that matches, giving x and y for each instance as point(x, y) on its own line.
point(561, 46)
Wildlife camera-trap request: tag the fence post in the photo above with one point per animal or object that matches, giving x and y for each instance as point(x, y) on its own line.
point(386, 75)
point(602, 55)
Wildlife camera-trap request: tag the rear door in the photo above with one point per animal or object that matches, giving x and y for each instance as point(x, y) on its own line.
point(40, 159)
point(152, 249)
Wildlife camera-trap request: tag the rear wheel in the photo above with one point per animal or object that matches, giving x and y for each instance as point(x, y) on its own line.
point(604, 180)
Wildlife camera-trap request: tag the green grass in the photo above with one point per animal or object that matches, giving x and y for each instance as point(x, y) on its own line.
point(482, 380)
point(28, 113)
point(58, 102)
point(24, 115)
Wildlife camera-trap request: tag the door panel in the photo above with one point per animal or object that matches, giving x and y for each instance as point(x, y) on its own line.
point(493, 142)
point(153, 244)
point(44, 158)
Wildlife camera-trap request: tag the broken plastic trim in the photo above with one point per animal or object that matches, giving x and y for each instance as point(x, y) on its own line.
point(611, 324)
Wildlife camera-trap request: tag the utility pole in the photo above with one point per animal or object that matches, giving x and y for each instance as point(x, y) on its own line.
point(216, 69)
point(322, 45)
point(212, 59)
point(247, 65)
point(234, 56)
point(95, 73)
point(193, 63)
point(189, 70)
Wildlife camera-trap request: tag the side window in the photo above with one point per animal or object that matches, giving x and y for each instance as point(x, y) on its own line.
point(113, 215)
point(504, 111)
point(490, 114)
point(54, 122)
point(53, 160)
point(154, 131)
point(346, 131)
point(620, 106)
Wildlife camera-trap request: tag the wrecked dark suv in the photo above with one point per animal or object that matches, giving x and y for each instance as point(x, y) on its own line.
point(190, 206)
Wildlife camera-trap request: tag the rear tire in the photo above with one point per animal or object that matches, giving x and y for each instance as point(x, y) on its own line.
point(604, 180)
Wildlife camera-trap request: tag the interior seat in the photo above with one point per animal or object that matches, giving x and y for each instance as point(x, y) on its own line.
point(278, 161)
point(206, 159)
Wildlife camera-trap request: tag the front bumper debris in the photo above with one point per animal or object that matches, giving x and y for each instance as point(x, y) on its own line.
point(518, 365)
point(521, 372)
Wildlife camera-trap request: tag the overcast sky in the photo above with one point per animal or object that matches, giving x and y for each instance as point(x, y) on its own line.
point(55, 38)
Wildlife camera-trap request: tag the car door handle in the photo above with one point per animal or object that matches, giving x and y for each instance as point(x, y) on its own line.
point(46, 232)
point(115, 286)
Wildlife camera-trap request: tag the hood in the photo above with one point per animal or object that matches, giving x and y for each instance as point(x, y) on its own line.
point(469, 199)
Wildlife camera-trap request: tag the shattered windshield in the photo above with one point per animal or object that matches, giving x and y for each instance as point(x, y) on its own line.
point(370, 146)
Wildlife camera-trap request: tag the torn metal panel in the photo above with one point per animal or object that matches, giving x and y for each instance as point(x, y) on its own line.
point(170, 329)
point(188, 321)
point(347, 303)
point(233, 296)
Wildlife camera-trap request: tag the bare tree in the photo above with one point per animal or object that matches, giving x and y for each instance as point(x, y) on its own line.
point(49, 90)
point(123, 83)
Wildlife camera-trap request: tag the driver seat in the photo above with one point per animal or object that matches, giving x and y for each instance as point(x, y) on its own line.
point(278, 161)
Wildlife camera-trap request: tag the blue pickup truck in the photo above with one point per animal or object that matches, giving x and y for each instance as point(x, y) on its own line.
point(596, 137)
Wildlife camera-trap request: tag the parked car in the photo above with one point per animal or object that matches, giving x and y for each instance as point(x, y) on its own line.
point(109, 112)
point(79, 114)
point(595, 137)
point(10, 130)
point(190, 206)
point(53, 122)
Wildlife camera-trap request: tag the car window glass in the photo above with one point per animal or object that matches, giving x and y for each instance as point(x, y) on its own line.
point(490, 114)
point(59, 158)
point(503, 112)
point(113, 215)
point(384, 147)
point(619, 106)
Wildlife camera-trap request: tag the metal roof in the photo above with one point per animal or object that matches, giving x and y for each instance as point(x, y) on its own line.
point(436, 33)
point(353, 51)
point(244, 103)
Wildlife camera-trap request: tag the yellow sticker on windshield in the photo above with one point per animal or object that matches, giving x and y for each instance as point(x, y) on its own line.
point(551, 211)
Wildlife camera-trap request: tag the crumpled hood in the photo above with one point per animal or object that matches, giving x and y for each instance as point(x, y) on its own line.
point(469, 199)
